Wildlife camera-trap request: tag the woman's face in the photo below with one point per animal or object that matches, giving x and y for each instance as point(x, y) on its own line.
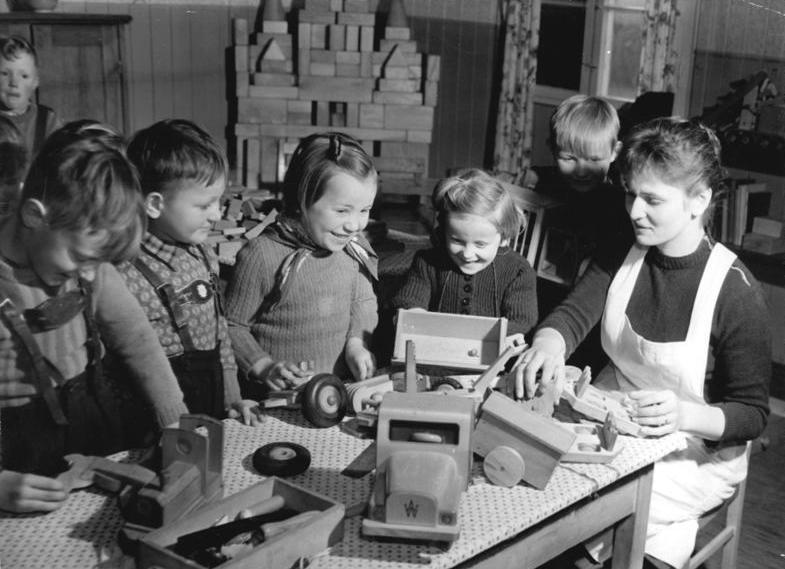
point(664, 216)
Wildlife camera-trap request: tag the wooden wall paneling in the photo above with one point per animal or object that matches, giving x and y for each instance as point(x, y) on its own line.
point(162, 67)
point(125, 42)
point(141, 69)
point(186, 53)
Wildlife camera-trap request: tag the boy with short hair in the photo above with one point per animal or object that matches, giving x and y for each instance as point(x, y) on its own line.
point(183, 175)
point(63, 301)
point(18, 83)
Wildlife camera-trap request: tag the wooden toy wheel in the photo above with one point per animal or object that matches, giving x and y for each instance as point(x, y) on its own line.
point(324, 400)
point(281, 459)
point(504, 466)
point(445, 384)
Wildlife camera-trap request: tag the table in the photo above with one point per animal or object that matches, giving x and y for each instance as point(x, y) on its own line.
point(519, 526)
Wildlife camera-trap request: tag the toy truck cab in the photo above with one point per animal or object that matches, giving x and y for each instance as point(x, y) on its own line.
point(423, 461)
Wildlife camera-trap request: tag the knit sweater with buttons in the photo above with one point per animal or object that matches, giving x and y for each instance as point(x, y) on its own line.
point(505, 288)
point(739, 368)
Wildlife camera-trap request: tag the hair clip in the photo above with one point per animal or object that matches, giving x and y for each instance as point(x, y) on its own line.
point(335, 147)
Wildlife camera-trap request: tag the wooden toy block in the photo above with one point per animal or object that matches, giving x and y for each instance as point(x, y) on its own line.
point(371, 115)
point(395, 57)
point(395, 98)
point(348, 57)
point(319, 5)
point(274, 79)
point(322, 113)
point(269, 164)
point(596, 404)
point(366, 38)
point(274, 92)
point(399, 73)
point(303, 61)
point(275, 27)
point(233, 231)
point(262, 110)
point(450, 340)
point(261, 39)
point(433, 64)
point(518, 444)
point(367, 146)
point(274, 49)
point(275, 66)
point(430, 93)
point(357, 19)
point(336, 5)
point(419, 135)
point(240, 31)
point(399, 85)
point(323, 56)
point(246, 129)
point(304, 35)
point(347, 70)
point(323, 69)
point(366, 66)
point(259, 227)
point(588, 446)
point(353, 114)
point(314, 17)
point(319, 36)
point(240, 58)
point(222, 224)
point(352, 38)
point(234, 209)
point(410, 165)
point(415, 72)
point(357, 6)
point(403, 45)
point(337, 37)
point(241, 84)
point(350, 90)
point(396, 33)
point(228, 249)
point(308, 537)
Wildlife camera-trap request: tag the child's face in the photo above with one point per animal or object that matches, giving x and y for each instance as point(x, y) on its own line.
point(472, 242)
point(664, 216)
point(18, 82)
point(584, 171)
point(187, 211)
point(58, 255)
point(341, 212)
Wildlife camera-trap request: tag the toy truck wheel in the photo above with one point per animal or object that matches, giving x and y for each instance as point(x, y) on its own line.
point(281, 459)
point(504, 466)
point(325, 400)
point(445, 384)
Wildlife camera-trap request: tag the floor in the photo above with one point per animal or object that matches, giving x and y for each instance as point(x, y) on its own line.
point(762, 544)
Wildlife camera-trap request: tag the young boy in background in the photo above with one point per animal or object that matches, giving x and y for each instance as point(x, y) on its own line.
point(63, 301)
point(18, 83)
point(13, 161)
point(183, 175)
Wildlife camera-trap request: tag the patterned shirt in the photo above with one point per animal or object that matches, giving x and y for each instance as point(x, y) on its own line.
point(181, 266)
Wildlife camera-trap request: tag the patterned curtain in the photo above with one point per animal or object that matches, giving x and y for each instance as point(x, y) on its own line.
point(658, 55)
point(513, 144)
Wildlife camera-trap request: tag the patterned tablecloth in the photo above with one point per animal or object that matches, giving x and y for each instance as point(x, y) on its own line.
point(82, 533)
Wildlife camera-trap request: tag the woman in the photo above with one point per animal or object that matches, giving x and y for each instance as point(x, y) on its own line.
point(684, 324)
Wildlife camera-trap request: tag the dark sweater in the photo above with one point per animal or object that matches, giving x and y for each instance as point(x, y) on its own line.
point(739, 368)
point(507, 287)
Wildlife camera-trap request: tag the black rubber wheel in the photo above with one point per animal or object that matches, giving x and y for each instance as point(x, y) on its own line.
point(324, 400)
point(281, 459)
point(445, 384)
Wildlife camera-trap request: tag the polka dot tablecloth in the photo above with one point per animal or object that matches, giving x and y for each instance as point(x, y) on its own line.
point(82, 533)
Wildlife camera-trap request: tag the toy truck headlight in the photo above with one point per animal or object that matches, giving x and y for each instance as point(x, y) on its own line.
point(447, 518)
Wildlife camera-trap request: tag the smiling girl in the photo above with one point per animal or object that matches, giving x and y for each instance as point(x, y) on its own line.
point(302, 291)
point(684, 324)
point(471, 269)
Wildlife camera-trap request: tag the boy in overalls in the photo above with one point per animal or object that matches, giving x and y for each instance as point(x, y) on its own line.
point(183, 175)
point(62, 302)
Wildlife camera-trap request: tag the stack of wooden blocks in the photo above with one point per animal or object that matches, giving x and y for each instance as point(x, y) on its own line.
point(330, 75)
point(245, 215)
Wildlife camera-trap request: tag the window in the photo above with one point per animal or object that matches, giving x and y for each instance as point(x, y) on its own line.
point(589, 46)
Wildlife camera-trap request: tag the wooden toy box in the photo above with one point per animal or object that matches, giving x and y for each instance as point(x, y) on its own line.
point(279, 552)
point(450, 340)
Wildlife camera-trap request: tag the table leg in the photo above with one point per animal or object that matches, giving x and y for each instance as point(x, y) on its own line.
point(630, 536)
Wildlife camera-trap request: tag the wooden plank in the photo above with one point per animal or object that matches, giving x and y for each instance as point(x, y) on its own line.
point(256, 110)
point(357, 18)
point(272, 92)
point(300, 131)
point(351, 90)
point(277, 79)
point(395, 98)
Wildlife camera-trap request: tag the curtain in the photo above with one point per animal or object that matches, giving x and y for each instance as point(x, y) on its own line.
point(658, 55)
point(513, 143)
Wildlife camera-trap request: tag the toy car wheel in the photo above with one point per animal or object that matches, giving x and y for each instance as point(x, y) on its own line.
point(504, 466)
point(445, 384)
point(281, 459)
point(325, 400)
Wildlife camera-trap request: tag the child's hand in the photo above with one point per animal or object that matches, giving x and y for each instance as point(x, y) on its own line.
point(360, 360)
point(22, 493)
point(247, 412)
point(285, 375)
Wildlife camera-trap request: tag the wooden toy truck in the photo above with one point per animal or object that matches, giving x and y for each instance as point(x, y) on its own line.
point(423, 461)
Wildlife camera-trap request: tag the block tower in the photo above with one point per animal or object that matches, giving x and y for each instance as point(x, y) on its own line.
point(335, 69)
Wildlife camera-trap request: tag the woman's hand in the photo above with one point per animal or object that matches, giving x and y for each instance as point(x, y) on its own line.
point(360, 360)
point(657, 412)
point(22, 493)
point(281, 375)
point(546, 358)
point(247, 412)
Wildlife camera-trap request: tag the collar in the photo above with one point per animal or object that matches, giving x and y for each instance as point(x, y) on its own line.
point(167, 252)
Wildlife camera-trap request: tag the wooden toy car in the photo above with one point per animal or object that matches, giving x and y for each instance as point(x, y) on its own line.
point(595, 403)
point(423, 460)
point(323, 399)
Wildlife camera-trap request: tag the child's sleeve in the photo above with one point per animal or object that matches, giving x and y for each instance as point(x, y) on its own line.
point(364, 310)
point(244, 296)
point(519, 302)
point(418, 284)
point(126, 331)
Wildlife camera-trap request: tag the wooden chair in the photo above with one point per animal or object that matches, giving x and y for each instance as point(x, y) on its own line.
point(727, 539)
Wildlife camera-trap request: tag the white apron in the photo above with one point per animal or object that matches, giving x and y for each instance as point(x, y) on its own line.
point(689, 482)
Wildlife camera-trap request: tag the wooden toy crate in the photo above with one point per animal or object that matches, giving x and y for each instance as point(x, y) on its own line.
point(450, 340)
point(279, 552)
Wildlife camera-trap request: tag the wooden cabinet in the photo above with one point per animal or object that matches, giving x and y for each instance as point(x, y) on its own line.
point(80, 60)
